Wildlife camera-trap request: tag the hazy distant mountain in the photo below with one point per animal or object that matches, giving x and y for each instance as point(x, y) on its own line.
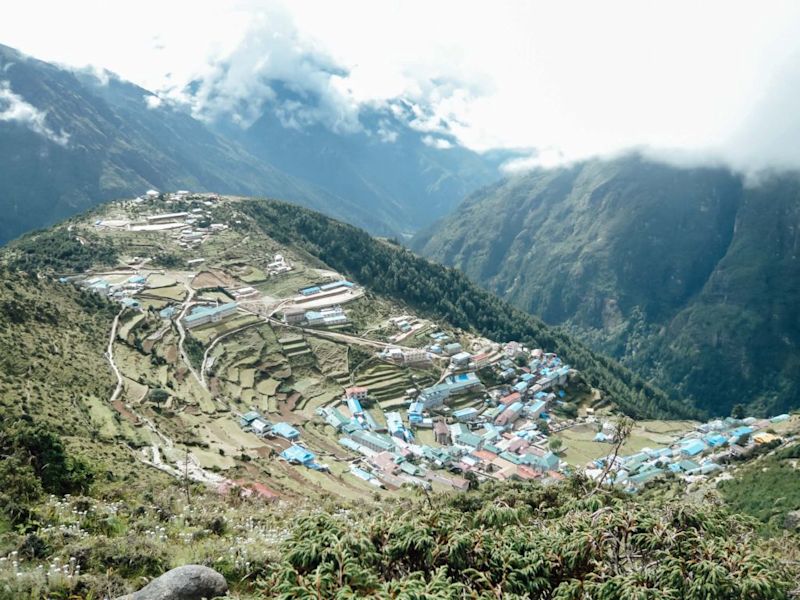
point(69, 140)
point(689, 275)
point(409, 178)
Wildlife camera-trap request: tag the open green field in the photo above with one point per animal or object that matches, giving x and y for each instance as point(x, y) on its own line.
point(579, 447)
point(172, 292)
point(253, 275)
point(156, 280)
point(288, 284)
point(207, 333)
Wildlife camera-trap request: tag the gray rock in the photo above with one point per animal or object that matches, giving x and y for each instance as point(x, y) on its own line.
point(792, 520)
point(190, 582)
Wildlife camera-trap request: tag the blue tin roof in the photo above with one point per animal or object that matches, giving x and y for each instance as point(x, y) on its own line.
point(285, 430)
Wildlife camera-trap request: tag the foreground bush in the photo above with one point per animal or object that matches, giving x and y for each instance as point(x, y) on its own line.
point(528, 541)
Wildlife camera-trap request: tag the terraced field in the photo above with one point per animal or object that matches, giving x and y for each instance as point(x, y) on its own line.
point(385, 381)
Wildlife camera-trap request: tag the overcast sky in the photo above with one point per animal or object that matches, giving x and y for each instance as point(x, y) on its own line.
point(693, 81)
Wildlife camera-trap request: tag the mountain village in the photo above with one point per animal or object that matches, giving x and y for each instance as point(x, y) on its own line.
point(427, 406)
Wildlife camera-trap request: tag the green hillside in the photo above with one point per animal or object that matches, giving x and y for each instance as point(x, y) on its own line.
point(686, 275)
point(87, 512)
point(445, 293)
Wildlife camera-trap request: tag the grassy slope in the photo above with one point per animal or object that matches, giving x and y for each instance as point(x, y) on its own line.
point(686, 275)
point(776, 473)
point(53, 371)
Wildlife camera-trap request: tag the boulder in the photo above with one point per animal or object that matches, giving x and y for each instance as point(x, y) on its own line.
point(792, 520)
point(190, 582)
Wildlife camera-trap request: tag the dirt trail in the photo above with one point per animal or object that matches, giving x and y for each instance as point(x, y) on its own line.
point(110, 357)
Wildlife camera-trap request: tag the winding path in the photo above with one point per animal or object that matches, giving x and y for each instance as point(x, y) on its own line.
point(109, 354)
point(187, 304)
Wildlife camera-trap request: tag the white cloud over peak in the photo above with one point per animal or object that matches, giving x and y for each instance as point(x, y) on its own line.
point(14, 108)
point(715, 81)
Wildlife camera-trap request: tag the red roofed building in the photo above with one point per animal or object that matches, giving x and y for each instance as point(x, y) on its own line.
point(518, 445)
point(527, 473)
point(510, 399)
point(484, 455)
point(359, 393)
point(248, 488)
point(385, 462)
point(481, 360)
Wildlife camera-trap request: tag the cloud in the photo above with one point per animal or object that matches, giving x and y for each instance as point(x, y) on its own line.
point(272, 65)
point(437, 142)
point(152, 101)
point(713, 82)
point(13, 108)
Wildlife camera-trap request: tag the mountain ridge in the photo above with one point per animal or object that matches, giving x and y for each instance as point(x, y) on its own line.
point(629, 254)
point(71, 139)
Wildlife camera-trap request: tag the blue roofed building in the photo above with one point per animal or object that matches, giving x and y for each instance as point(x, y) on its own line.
point(715, 439)
point(335, 284)
point(415, 412)
point(285, 431)
point(741, 431)
point(210, 314)
point(394, 423)
point(693, 447)
point(351, 444)
point(298, 455)
point(465, 414)
point(536, 408)
point(354, 405)
point(247, 418)
point(435, 395)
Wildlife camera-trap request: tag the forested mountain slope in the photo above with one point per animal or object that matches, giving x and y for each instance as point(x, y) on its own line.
point(408, 182)
point(689, 276)
point(429, 288)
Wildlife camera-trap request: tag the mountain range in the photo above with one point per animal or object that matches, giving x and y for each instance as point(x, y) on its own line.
point(686, 275)
point(690, 276)
point(71, 139)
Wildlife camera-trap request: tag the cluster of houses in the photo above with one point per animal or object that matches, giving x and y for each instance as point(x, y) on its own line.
point(120, 292)
point(699, 453)
point(332, 316)
point(495, 435)
point(296, 453)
